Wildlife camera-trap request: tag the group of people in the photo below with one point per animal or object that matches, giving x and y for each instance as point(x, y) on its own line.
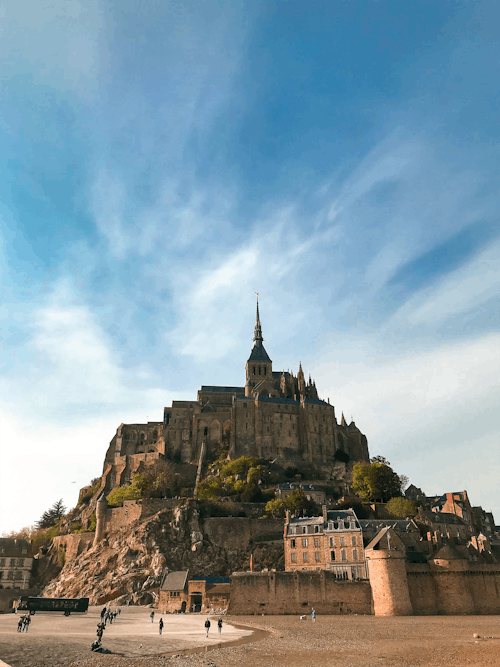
point(23, 623)
point(106, 615)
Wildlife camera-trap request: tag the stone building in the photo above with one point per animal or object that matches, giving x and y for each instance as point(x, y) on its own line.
point(333, 541)
point(181, 594)
point(274, 414)
point(311, 491)
point(16, 561)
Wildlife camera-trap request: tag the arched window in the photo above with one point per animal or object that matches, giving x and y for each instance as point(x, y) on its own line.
point(205, 430)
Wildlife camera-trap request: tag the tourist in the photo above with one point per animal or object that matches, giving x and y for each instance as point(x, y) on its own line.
point(313, 615)
point(20, 624)
point(103, 612)
point(152, 616)
point(207, 625)
point(160, 625)
point(219, 624)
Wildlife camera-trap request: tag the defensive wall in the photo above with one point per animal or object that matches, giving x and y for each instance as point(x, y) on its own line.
point(9, 597)
point(460, 588)
point(242, 532)
point(74, 544)
point(297, 592)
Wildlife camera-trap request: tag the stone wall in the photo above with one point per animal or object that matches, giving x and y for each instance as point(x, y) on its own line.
point(10, 596)
point(133, 510)
point(74, 544)
point(296, 593)
point(241, 532)
point(470, 589)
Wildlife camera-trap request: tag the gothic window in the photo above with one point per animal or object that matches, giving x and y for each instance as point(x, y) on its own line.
point(205, 430)
point(265, 370)
point(254, 370)
point(259, 370)
point(142, 438)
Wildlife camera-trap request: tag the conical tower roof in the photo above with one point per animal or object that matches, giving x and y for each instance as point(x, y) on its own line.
point(258, 352)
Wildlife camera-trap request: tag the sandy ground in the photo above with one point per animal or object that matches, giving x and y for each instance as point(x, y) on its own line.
point(333, 641)
point(54, 639)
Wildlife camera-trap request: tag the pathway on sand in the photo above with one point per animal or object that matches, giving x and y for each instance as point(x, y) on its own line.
point(54, 639)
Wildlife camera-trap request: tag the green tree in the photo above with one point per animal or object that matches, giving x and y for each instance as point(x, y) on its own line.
point(401, 508)
point(375, 481)
point(51, 516)
point(276, 508)
point(134, 491)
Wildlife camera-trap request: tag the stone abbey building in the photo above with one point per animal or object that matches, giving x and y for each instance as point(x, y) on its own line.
point(275, 415)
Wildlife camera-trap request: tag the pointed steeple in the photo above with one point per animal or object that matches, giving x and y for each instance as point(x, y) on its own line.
point(258, 329)
point(342, 422)
point(258, 352)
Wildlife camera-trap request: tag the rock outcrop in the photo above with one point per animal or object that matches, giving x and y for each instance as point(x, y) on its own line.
point(129, 565)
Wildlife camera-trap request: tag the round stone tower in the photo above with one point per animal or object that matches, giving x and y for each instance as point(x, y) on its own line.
point(100, 515)
point(385, 556)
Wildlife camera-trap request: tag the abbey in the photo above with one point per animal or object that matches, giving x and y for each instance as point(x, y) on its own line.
point(276, 415)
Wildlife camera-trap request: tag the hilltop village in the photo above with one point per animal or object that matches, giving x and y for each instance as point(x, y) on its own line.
point(244, 500)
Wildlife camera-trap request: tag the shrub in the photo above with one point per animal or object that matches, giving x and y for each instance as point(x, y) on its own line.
point(401, 508)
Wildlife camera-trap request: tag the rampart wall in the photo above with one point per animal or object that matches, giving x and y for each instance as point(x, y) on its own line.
point(9, 596)
point(74, 544)
point(241, 532)
point(297, 593)
point(473, 589)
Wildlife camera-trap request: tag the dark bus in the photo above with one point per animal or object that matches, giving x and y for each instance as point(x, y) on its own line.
point(66, 605)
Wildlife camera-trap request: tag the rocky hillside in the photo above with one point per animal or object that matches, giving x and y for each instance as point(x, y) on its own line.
point(129, 565)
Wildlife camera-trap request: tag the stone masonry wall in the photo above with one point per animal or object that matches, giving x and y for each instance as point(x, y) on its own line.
point(74, 544)
point(472, 590)
point(241, 532)
point(296, 593)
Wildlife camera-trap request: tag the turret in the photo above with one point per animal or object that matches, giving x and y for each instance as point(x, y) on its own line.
point(101, 516)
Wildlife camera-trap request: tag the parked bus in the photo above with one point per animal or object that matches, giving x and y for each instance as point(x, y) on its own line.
point(66, 605)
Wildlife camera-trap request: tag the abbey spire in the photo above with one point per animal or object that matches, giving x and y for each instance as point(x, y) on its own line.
point(257, 336)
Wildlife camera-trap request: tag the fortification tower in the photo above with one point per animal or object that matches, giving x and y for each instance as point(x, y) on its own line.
point(385, 556)
point(100, 515)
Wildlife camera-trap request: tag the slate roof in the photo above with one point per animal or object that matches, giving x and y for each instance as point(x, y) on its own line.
point(227, 390)
point(175, 581)
point(258, 353)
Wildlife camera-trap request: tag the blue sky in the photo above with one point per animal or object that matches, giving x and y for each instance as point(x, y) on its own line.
point(161, 162)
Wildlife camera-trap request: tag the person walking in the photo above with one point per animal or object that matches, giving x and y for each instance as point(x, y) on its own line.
point(20, 624)
point(27, 621)
point(219, 624)
point(160, 625)
point(103, 612)
point(152, 616)
point(313, 615)
point(207, 625)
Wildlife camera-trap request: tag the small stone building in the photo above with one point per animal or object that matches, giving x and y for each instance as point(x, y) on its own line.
point(180, 594)
point(311, 491)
